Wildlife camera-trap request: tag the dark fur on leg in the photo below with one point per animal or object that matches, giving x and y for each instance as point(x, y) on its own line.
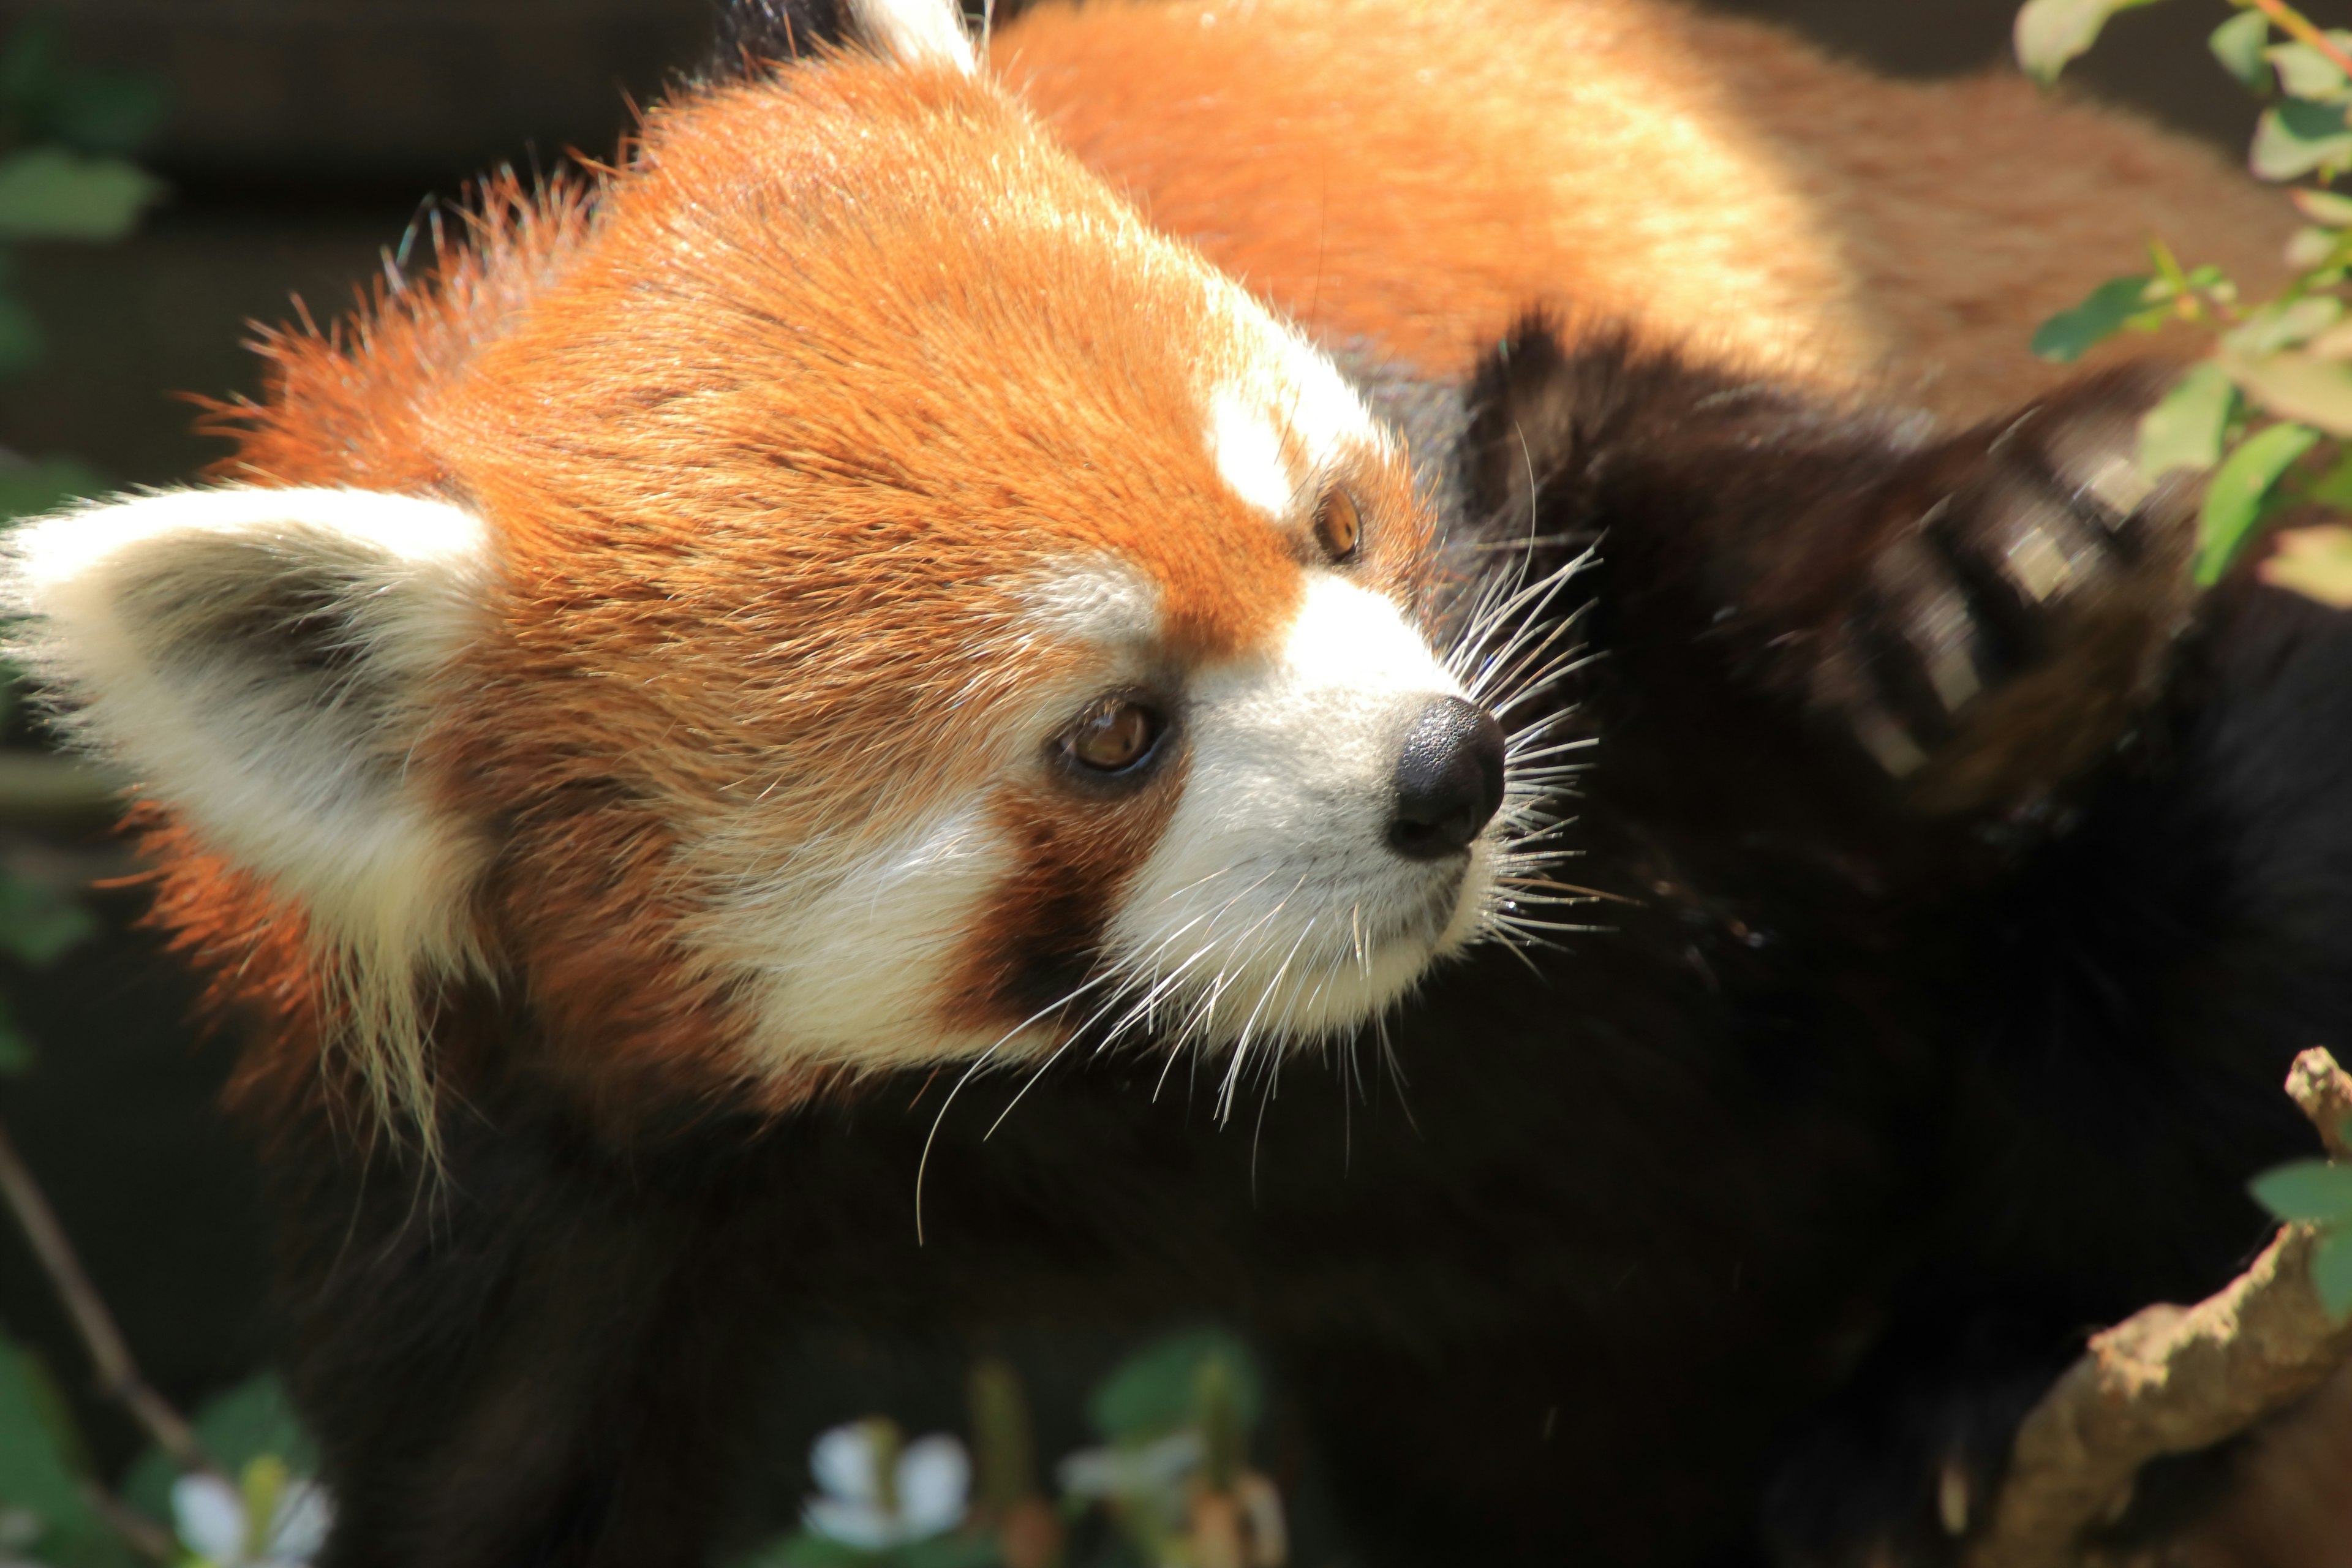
point(1960, 689)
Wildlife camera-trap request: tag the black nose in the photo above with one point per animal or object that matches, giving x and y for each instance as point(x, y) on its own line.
point(1449, 780)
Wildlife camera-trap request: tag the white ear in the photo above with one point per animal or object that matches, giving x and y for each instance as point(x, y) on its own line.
point(255, 659)
point(915, 32)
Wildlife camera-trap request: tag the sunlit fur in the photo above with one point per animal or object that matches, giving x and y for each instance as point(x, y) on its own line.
point(1413, 175)
point(263, 658)
point(813, 474)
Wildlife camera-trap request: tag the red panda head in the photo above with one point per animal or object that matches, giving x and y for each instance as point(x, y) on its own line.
point(848, 596)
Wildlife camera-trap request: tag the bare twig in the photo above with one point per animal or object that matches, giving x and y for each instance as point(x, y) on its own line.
point(2172, 1380)
point(118, 1375)
point(41, 787)
point(144, 1536)
point(2299, 27)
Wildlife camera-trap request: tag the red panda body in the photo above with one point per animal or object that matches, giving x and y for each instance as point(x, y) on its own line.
point(670, 710)
point(1416, 177)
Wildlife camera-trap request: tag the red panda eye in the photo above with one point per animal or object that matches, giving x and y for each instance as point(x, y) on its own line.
point(1115, 736)
point(1338, 523)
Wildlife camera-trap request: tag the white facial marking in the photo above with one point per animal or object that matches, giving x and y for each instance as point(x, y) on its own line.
point(1100, 599)
point(1285, 415)
point(1248, 451)
point(916, 32)
point(1324, 412)
point(843, 955)
point(1273, 907)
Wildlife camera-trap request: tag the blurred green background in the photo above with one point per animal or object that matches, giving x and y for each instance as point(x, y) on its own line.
point(297, 138)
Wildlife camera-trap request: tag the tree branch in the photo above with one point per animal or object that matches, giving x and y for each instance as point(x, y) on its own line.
point(41, 786)
point(2171, 1380)
point(118, 1375)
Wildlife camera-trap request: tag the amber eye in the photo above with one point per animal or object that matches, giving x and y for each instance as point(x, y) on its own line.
point(1338, 524)
point(1115, 736)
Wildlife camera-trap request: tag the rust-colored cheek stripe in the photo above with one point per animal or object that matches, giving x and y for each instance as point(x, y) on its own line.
point(1039, 940)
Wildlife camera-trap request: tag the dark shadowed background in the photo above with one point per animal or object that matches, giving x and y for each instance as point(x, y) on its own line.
point(303, 138)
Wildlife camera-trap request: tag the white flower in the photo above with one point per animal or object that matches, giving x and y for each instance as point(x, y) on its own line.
point(210, 1516)
point(875, 1495)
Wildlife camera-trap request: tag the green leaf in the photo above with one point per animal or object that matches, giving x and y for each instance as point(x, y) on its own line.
point(37, 922)
point(104, 111)
point(28, 64)
point(2297, 137)
point(37, 1469)
point(2237, 45)
point(2316, 563)
point(2304, 72)
point(2213, 280)
point(2048, 33)
point(2069, 334)
point(2308, 249)
point(2233, 508)
point(2185, 429)
point(29, 489)
point(1151, 1393)
point(2329, 209)
point(2298, 386)
point(22, 341)
point(956, 1548)
point(16, 1051)
point(48, 193)
point(810, 1549)
point(2310, 1191)
point(2331, 1274)
point(2276, 327)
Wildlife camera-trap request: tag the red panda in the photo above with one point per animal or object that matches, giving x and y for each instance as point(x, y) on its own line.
point(817, 755)
point(848, 603)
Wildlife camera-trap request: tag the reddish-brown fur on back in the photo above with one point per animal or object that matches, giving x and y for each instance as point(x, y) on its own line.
point(1418, 174)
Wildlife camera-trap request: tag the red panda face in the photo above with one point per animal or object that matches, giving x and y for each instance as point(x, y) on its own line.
point(874, 604)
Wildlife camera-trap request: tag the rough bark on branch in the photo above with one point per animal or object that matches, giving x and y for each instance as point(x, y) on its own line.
point(2171, 1380)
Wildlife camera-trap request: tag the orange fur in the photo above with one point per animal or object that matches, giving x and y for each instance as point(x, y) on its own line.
point(1418, 175)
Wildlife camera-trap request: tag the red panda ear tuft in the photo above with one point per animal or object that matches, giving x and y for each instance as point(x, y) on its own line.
point(913, 32)
point(261, 662)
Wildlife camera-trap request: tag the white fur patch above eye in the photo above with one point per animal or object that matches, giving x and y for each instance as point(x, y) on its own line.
point(1248, 452)
point(258, 660)
point(1096, 599)
point(1326, 414)
point(1285, 414)
point(916, 32)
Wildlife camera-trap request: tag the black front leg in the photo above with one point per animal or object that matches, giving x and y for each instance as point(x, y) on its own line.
point(1901, 1468)
point(1855, 682)
point(529, 1359)
point(1829, 629)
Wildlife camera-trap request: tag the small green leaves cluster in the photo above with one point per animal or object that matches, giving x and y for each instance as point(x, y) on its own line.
point(2318, 1193)
point(50, 1512)
point(2269, 411)
point(2051, 33)
point(64, 173)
